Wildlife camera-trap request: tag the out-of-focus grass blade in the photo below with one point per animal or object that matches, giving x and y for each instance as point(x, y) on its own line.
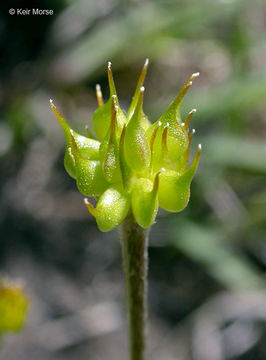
point(105, 41)
point(77, 18)
point(237, 152)
point(123, 33)
point(208, 247)
point(238, 95)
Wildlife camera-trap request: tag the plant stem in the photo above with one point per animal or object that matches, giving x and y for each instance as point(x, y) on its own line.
point(135, 259)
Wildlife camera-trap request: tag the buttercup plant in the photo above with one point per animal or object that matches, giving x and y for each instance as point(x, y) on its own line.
point(13, 306)
point(131, 169)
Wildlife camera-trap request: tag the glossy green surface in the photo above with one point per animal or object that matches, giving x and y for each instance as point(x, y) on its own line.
point(133, 164)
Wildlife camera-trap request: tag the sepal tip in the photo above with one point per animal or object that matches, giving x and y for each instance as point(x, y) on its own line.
point(91, 209)
point(71, 156)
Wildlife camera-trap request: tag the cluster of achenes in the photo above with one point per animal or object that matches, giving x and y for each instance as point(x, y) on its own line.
point(133, 164)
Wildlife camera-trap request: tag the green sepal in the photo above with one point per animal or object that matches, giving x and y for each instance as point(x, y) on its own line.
point(89, 175)
point(88, 148)
point(176, 143)
point(144, 121)
point(172, 114)
point(177, 139)
point(111, 209)
point(90, 179)
point(101, 120)
point(174, 188)
point(126, 172)
point(144, 201)
point(109, 150)
point(102, 115)
point(182, 162)
point(137, 150)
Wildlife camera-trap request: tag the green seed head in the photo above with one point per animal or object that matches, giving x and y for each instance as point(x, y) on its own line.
point(133, 165)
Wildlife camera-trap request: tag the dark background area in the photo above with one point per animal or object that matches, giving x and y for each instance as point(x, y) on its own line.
point(207, 264)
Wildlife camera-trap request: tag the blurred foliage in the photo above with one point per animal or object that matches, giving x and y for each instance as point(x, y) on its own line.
point(218, 242)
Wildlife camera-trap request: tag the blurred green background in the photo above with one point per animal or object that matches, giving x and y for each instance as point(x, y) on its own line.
point(207, 264)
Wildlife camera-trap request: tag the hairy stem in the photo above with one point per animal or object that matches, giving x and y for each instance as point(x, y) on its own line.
point(135, 258)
